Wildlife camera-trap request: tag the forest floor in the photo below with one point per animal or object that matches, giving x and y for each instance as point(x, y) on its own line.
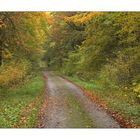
point(20, 106)
point(69, 107)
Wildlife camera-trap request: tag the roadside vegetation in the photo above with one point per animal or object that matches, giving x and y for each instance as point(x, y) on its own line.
point(22, 40)
point(20, 106)
point(101, 52)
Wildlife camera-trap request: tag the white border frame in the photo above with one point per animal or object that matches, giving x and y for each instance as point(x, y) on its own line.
point(69, 5)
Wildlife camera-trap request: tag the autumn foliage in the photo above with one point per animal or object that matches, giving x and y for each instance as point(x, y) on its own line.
point(22, 40)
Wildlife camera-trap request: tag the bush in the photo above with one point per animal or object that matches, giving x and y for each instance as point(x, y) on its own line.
point(13, 73)
point(108, 77)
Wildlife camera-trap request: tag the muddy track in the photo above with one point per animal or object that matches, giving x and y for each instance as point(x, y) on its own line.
point(68, 107)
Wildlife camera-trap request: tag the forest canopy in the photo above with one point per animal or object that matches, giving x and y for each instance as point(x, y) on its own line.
point(96, 45)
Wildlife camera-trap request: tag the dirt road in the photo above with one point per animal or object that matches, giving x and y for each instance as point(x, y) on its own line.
point(68, 107)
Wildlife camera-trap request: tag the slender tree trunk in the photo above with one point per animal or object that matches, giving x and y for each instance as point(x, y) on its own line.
point(1, 50)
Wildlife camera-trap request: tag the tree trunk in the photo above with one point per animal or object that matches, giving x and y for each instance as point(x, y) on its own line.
point(1, 49)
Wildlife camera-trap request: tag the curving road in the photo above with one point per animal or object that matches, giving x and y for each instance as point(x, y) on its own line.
point(68, 107)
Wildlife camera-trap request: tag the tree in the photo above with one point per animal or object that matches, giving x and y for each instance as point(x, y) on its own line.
point(22, 42)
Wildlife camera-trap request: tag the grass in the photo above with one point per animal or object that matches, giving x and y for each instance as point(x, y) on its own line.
point(120, 101)
point(87, 85)
point(78, 118)
point(19, 107)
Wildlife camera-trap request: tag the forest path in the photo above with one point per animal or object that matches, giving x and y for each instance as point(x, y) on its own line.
point(68, 107)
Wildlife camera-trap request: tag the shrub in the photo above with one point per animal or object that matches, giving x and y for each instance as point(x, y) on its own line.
point(13, 73)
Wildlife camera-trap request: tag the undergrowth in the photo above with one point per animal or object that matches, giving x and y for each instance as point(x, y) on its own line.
point(19, 107)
